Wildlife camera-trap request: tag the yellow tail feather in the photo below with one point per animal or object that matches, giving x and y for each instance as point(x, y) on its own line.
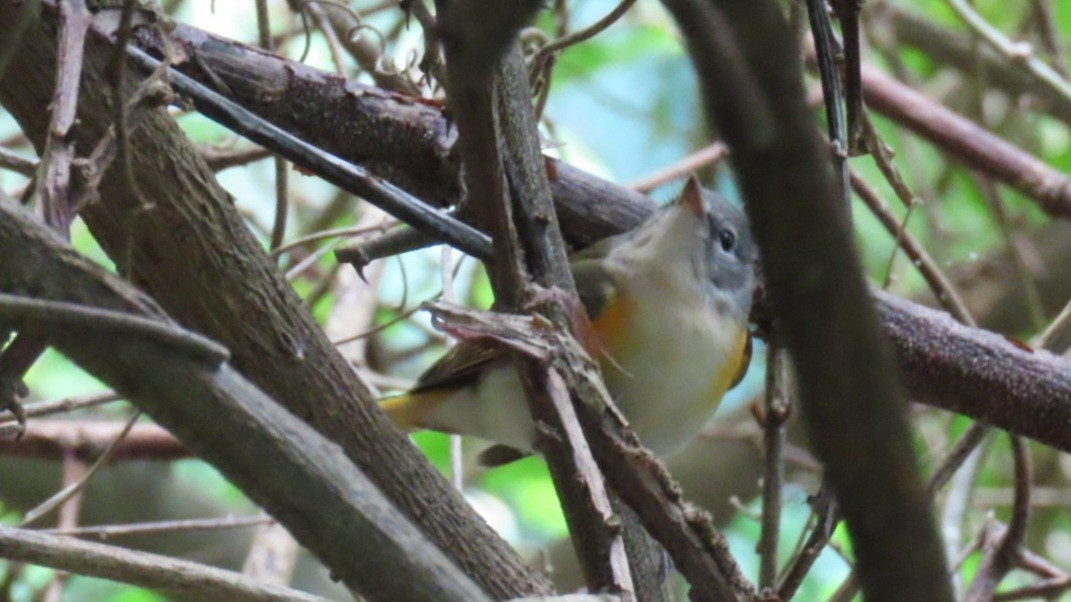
point(410, 410)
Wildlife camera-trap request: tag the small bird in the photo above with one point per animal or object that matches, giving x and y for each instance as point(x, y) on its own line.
point(669, 303)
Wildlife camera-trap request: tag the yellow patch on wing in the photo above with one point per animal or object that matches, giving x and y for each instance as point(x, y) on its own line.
point(410, 410)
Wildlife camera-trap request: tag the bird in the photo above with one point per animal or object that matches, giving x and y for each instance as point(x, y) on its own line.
point(668, 302)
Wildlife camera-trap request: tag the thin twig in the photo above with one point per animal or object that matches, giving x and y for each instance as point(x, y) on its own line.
point(584, 34)
point(405, 315)
point(939, 284)
point(74, 488)
point(701, 158)
point(1049, 35)
point(46, 408)
point(347, 232)
point(16, 163)
point(199, 581)
point(37, 314)
point(1046, 589)
point(1060, 321)
point(164, 526)
point(775, 412)
point(1018, 52)
point(278, 229)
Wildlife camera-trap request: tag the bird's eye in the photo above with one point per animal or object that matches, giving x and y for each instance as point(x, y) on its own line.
point(727, 239)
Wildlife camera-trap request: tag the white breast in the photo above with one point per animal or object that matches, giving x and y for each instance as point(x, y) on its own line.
point(668, 387)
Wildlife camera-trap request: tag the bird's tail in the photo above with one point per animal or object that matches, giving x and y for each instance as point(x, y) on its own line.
point(410, 410)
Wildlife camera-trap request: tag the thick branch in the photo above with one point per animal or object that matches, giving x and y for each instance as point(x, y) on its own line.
point(980, 374)
point(497, 135)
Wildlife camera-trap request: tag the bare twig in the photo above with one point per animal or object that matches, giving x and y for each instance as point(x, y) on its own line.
point(17, 164)
point(939, 284)
point(582, 35)
point(76, 487)
point(690, 164)
point(775, 412)
point(1003, 544)
point(219, 160)
point(54, 439)
point(165, 526)
point(328, 234)
point(278, 229)
point(1017, 52)
point(140, 568)
point(36, 315)
point(45, 408)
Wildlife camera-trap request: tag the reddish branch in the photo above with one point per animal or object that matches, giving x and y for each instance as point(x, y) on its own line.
point(969, 142)
point(53, 439)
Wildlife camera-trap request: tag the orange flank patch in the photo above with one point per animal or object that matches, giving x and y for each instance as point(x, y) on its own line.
point(410, 410)
point(611, 327)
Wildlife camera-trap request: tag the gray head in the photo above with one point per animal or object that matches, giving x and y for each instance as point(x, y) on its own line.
point(704, 229)
point(729, 256)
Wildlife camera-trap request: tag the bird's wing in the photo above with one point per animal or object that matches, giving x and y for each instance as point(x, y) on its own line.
point(464, 361)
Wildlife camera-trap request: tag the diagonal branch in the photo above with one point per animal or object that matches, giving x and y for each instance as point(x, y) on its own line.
point(140, 568)
point(282, 463)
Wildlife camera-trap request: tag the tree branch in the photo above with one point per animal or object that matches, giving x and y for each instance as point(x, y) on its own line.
point(747, 64)
point(140, 568)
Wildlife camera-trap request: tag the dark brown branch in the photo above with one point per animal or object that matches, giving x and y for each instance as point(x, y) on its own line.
point(980, 374)
point(747, 64)
point(489, 98)
point(772, 418)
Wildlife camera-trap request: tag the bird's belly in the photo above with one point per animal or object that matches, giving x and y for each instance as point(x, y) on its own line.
point(667, 375)
point(672, 380)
